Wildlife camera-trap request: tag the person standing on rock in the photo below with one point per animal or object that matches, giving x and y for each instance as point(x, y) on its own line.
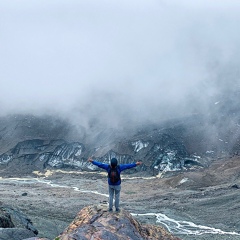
point(114, 179)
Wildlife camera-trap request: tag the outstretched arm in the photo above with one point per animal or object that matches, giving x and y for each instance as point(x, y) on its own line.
point(127, 166)
point(98, 164)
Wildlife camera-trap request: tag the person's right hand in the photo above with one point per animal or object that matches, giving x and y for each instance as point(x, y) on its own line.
point(138, 163)
point(90, 159)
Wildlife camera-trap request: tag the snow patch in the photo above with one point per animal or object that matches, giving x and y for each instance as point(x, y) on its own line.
point(183, 180)
point(138, 145)
point(209, 152)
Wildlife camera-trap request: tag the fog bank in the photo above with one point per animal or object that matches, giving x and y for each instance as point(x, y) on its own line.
point(117, 62)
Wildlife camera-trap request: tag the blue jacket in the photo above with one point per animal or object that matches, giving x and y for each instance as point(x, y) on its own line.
point(122, 167)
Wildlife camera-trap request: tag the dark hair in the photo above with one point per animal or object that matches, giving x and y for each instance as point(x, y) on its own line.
point(114, 162)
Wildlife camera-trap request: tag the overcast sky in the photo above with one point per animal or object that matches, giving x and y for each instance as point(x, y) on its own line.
point(116, 60)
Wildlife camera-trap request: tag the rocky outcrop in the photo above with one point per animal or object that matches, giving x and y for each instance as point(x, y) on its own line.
point(95, 222)
point(5, 219)
point(160, 151)
point(30, 143)
point(14, 225)
point(38, 154)
point(15, 233)
point(19, 219)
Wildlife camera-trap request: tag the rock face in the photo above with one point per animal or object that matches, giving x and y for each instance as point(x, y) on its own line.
point(40, 154)
point(19, 219)
point(29, 143)
point(158, 149)
point(95, 222)
point(5, 219)
point(14, 225)
point(15, 234)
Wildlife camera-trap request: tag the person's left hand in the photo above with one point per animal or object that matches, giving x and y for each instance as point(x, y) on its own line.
point(90, 159)
point(138, 163)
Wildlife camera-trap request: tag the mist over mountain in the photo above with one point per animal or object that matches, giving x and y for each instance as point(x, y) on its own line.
point(151, 81)
point(157, 81)
point(37, 143)
point(117, 63)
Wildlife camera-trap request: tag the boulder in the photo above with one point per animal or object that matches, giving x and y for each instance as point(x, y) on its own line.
point(14, 225)
point(15, 233)
point(18, 218)
point(5, 219)
point(95, 222)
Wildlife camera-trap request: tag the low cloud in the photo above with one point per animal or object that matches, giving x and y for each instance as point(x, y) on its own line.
point(117, 62)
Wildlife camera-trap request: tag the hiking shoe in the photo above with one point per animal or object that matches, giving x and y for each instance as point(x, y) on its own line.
point(117, 210)
point(110, 210)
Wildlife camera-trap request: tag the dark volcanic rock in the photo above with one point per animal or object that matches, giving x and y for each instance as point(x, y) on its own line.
point(12, 218)
point(95, 222)
point(15, 233)
point(14, 225)
point(235, 186)
point(5, 219)
point(10, 223)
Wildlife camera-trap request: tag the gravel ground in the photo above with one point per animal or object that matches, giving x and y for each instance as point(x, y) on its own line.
point(52, 207)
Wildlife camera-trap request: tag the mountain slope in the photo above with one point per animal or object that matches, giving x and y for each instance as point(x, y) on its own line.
point(29, 143)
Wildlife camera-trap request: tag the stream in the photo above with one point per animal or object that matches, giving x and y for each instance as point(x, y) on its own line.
point(172, 225)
